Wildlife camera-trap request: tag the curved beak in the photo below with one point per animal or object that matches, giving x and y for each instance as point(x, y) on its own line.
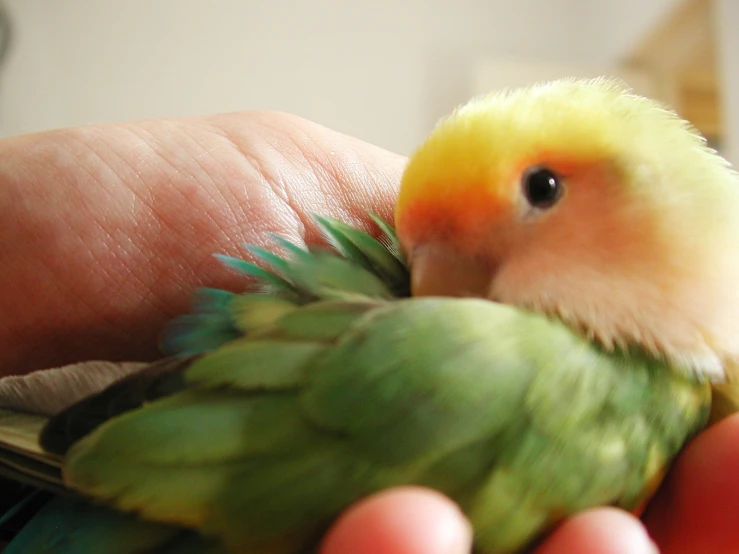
point(442, 271)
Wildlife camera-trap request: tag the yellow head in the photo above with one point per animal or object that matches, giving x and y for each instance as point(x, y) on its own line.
point(581, 200)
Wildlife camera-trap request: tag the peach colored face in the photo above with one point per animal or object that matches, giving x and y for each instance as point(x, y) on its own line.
point(525, 226)
point(580, 201)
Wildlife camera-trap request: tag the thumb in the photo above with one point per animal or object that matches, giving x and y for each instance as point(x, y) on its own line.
point(405, 520)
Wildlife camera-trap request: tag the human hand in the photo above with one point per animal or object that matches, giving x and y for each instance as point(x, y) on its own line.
point(107, 230)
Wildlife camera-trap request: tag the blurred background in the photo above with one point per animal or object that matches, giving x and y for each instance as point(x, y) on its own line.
point(383, 71)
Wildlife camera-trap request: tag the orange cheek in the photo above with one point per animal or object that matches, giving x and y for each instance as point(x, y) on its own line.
point(456, 218)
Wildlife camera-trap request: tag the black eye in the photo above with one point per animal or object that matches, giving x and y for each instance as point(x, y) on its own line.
point(542, 187)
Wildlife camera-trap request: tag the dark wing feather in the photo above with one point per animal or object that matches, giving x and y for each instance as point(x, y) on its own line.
point(155, 381)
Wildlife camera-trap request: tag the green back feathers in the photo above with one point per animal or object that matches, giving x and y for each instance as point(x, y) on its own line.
point(357, 267)
point(514, 416)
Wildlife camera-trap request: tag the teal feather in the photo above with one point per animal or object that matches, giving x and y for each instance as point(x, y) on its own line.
point(357, 266)
point(389, 239)
point(18, 504)
point(364, 251)
point(75, 526)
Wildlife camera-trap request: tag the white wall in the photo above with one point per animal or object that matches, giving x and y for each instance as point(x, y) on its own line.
point(726, 13)
point(614, 27)
point(382, 70)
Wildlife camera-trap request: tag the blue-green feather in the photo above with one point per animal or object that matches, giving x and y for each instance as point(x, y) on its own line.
point(357, 265)
point(68, 525)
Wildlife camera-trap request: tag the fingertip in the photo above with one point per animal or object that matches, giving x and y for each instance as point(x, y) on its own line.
point(599, 531)
point(405, 520)
point(695, 509)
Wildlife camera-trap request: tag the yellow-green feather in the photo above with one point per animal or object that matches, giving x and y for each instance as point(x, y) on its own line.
point(513, 415)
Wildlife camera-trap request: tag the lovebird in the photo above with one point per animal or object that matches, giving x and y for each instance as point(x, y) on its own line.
point(537, 334)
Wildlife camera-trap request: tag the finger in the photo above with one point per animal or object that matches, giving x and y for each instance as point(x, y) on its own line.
point(408, 520)
point(106, 230)
point(695, 510)
point(599, 531)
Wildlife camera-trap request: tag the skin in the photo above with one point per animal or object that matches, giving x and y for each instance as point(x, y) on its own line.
point(108, 229)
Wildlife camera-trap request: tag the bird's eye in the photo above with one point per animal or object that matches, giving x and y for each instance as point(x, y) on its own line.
point(542, 187)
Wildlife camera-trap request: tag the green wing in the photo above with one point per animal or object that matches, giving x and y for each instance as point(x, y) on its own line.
point(513, 415)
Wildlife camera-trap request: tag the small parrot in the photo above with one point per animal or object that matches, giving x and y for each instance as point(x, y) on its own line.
point(537, 335)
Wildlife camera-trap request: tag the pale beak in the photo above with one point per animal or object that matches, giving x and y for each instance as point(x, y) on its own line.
point(443, 271)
